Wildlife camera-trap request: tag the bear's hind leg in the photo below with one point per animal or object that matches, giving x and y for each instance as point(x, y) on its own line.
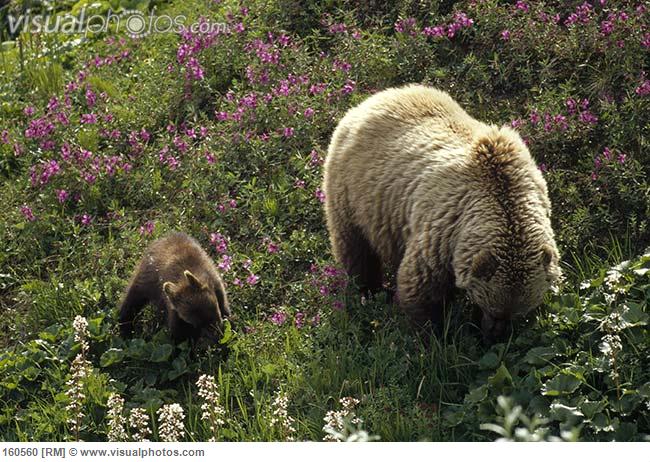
point(359, 259)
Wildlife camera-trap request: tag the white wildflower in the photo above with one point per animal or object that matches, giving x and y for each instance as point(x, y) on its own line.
point(116, 419)
point(79, 370)
point(139, 423)
point(171, 428)
point(337, 421)
point(281, 417)
point(80, 326)
point(213, 412)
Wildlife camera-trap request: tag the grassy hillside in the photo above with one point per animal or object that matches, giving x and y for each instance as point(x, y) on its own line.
point(108, 142)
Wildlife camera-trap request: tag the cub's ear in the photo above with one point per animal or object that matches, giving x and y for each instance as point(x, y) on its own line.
point(484, 265)
point(169, 288)
point(194, 281)
point(548, 255)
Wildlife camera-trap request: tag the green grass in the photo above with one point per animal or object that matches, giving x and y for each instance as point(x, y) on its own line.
point(576, 369)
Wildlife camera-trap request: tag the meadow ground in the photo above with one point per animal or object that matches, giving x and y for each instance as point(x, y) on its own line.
point(108, 142)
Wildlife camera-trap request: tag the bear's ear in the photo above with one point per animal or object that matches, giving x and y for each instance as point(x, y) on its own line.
point(169, 288)
point(484, 265)
point(194, 281)
point(547, 255)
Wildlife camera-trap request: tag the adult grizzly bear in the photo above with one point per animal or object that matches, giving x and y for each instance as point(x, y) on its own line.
point(414, 182)
point(179, 277)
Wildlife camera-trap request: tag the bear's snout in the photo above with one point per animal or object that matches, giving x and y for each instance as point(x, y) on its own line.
point(494, 329)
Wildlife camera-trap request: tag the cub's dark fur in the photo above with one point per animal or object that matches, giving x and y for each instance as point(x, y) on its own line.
point(178, 276)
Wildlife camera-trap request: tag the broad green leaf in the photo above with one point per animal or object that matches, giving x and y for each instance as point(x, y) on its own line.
point(540, 356)
point(111, 356)
point(561, 384)
point(161, 353)
point(489, 361)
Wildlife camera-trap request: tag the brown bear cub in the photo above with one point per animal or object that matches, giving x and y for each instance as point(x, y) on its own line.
point(178, 276)
point(413, 182)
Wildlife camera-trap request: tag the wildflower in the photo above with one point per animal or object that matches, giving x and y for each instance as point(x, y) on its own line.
point(252, 279)
point(28, 111)
point(226, 263)
point(588, 118)
point(435, 31)
point(543, 168)
point(534, 118)
point(116, 420)
point(220, 242)
point(505, 35)
point(337, 421)
point(522, 5)
point(299, 319)
point(300, 184)
point(139, 423)
point(27, 213)
point(288, 132)
point(621, 158)
point(405, 25)
point(560, 122)
point(79, 370)
point(606, 28)
point(645, 41)
point(278, 318)
point(315, 159)
point(213, 412)
point(171, 428)
point(516, 123)
point(571, 105)
point(281, 418)
point(88, 118)
point(320, 195)
point(309, 112)
point(643, 89)
point(147, 228)
point(62, 195)
point(349, 87)
point(271, 247)
point(91, 98)
point(86, 219)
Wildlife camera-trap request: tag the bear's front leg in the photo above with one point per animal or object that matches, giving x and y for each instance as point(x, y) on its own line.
point(421, 289)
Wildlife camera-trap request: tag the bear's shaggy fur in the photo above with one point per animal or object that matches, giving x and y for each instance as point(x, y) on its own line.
point(413, 182)
point(178, 276)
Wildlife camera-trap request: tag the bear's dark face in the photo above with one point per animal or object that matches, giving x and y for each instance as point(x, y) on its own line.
point(507, 286)
point(195, 303)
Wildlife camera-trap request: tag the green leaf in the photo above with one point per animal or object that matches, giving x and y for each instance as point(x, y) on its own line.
point(489, 361)
point(111, 356)
point(477, 395)
point(179, 367)
point(634, 315)
point(161, 353)
point(501, 378)
point(227, 332)
point(540, 356)
point(561, 384)
point(591, 408)
point(644, 390)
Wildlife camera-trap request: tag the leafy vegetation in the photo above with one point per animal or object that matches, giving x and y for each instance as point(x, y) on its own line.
point(108, 142)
